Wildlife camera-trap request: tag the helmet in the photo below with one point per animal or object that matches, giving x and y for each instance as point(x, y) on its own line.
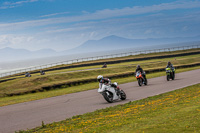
point(115, 83)
point(99, 78)
point(138, 66)
point(169, 63)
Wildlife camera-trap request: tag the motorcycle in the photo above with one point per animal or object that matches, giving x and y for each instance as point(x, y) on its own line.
point(27, 74)
point(104, 66)
point(110, 93)
point(141, 80)
point(170, 73)
point(42, 73)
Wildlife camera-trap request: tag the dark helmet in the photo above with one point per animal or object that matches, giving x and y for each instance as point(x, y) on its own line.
point(138, 66)
point(169, 63)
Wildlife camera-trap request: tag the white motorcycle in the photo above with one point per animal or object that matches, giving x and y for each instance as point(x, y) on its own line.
point(110, 93)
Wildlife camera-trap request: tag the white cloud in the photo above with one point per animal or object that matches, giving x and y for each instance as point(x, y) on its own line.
point(103, 14)
point(10, 40)
point(107, 13)
point(15, 4)
point(18, 2)
point(148, 31)
point(185, 28)
point(40, 41)
point(155, 24)
point(54, 14)
point(67, 29)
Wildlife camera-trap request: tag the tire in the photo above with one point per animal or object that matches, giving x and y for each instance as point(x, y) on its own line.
point(140, 82)
point(173, 76)
point(145, 83)
point(108, 98)
point(168, 77)
point(123, 95)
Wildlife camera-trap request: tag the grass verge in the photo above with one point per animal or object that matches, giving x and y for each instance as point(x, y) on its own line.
point(115, 60)
point(46, 94)
point(176, 111)
point(46, 82)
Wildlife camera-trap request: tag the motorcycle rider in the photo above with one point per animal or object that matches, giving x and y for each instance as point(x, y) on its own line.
point(107, 81)
point(140, 70)
point(42, 72)
point(104, 65)
point(27, 74)
point(169, 65)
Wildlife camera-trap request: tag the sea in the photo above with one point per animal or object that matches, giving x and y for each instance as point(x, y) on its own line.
point(8, 68)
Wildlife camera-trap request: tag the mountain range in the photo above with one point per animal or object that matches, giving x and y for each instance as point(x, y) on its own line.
point(116, 43)
point(10, 54)
point(108, 43)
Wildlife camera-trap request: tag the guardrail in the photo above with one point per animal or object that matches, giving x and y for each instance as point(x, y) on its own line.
point(97, 58)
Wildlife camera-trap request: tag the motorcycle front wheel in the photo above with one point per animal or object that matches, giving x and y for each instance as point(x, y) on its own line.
point(168, 77)
point(123, 95)
point(108, 96)
point(139, 82)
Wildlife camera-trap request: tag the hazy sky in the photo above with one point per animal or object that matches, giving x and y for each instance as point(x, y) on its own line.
point(64, 24)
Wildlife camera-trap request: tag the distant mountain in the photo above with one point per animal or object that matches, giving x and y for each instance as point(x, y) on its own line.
point(45, 52)
point(10, 54)
point(109, 43)
point(117, 43)
point(105, 44)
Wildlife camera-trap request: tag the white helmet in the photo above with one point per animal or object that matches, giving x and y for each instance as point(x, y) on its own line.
point(99, 77)
point(115, 83)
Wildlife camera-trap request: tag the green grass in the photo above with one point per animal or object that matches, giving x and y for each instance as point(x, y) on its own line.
point(173, 112)
point(133, 63)
point(22, 85)
point(57, 92)
point(107, 60)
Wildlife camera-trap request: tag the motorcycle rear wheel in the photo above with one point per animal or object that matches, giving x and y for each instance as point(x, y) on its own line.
point(145, 83)
point(173, 76)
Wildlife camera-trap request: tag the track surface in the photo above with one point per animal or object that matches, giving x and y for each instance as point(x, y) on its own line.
point(31, 114)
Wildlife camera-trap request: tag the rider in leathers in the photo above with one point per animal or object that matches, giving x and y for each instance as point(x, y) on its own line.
point(169, 65)
point(140, 70)
point(107, 81)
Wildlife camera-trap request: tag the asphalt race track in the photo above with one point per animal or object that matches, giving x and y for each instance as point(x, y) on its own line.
point(31, 114)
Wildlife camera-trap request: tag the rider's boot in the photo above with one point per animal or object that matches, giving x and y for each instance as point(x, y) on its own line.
point(118, 90)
